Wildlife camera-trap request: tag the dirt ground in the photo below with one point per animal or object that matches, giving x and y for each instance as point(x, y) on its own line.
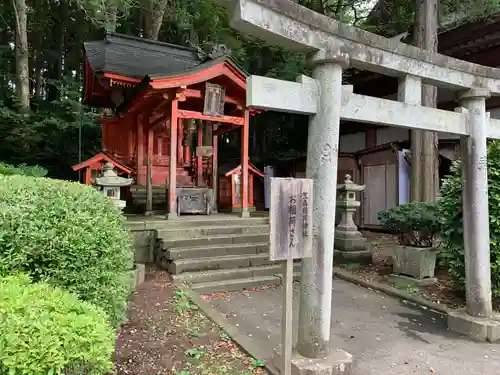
point(442, 292)
point(166, 334)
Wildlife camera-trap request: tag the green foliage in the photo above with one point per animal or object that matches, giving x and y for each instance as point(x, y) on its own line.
point(67, 234)
point(256, 363)
point(23, 169)
point(48, 135)
point(415, 223)
point(45, 330)
point(195, 353)
point(450, 210)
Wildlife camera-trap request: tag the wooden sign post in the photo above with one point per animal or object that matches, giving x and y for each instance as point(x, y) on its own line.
point(290, 221)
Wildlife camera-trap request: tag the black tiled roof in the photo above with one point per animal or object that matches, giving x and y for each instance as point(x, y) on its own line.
point(137, 57)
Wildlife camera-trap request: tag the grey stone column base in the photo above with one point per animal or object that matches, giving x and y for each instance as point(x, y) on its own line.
point(245, 214)
point(338, 362)
point(345, 242)
point(352, 256)
point(476, 328)
point(172, 216)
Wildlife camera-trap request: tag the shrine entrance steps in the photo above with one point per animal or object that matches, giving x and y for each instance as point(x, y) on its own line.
point(217, 253)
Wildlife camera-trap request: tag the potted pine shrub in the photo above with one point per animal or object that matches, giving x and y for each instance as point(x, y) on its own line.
point(417, 226)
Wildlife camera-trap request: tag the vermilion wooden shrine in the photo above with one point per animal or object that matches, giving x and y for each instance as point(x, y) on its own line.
point(230, 189)
point(170, 104)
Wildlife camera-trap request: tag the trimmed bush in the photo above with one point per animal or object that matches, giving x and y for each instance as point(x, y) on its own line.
point(450, 208)
point(69, 235)
point(23, 169)
point(415, 223)
point(45, 330)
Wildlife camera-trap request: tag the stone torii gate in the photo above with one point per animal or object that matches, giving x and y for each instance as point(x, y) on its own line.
point(333, 47)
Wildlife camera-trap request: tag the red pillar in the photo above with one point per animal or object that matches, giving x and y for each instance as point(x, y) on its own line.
point(199, 159)
point(215, 161)
point(88, 174)
point(172, 183)
point(130, 141)
point(151, 137)
point(159, 145)
point(187, 155)
point(140, 149)
point(244, 165)
point(180, 151)
point(104, 132)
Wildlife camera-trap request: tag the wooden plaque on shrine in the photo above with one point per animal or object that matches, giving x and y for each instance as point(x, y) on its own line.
point(214, 100)
point(204, 151)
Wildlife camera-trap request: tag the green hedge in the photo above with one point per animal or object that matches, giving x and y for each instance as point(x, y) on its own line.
point(68, 234)
point(45, 330)
point(23, 169)
point(450, 210)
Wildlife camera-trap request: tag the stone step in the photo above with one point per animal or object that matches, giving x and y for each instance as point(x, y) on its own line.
point(218, 239)
point(142, 188)
point(235, 273)
point(215, 220)
point(235, 284)
point(210, 251)
point(159, 223)
point(216, 263)
point(202, 231)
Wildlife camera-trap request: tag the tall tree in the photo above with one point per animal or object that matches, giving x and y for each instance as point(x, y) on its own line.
point(154, 10)
point(22, 54)
point(425, 147)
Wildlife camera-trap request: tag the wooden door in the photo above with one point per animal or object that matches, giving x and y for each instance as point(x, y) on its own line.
point(374, 178)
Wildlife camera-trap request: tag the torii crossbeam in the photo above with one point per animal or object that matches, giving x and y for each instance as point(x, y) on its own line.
point(333, 47)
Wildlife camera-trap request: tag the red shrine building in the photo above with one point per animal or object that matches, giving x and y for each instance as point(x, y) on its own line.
point(169, 105)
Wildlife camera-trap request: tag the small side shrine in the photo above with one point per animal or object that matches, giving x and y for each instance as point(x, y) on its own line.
point(230, 187)
point(110, 184)
point(94, 166)
point(166, 106)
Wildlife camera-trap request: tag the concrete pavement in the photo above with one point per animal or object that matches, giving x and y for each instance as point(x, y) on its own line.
point(385, 335)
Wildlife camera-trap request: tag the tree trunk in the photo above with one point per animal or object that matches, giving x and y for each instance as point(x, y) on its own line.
point(154, 10)
point(56, 66)
point(22, 54)
point(425, 147)
point(111, 15)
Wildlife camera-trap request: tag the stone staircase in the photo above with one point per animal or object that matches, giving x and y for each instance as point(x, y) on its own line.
point(217, 253)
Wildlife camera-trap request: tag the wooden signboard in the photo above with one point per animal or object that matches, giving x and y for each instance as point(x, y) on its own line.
point(204, 151)
point(290, 221)
point(290, 218)
point(214, 100)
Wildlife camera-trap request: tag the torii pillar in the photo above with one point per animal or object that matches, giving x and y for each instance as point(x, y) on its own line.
point(322, 163)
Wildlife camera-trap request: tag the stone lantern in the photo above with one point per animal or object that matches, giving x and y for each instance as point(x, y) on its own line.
point(350, 244)
point(111, 183)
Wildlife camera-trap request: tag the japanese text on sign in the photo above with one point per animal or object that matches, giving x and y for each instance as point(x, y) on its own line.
point(290, 216)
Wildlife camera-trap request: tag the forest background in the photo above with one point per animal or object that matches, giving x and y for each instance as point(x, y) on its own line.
point(42, 120)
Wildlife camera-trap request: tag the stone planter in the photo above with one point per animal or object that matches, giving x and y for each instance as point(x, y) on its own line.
point(417, 262)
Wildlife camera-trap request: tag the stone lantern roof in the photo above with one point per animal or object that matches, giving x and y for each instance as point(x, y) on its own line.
point(349, 185)
point(111, 179)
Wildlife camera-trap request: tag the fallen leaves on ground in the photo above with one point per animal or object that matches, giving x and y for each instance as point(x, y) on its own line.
point(167, 335)
point(442, 292)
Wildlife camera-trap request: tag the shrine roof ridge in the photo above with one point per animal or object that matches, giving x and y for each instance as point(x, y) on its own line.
point(137, 57)
point(118, 37)
point(306, 42)
point(202, 66)
point(149, 78)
